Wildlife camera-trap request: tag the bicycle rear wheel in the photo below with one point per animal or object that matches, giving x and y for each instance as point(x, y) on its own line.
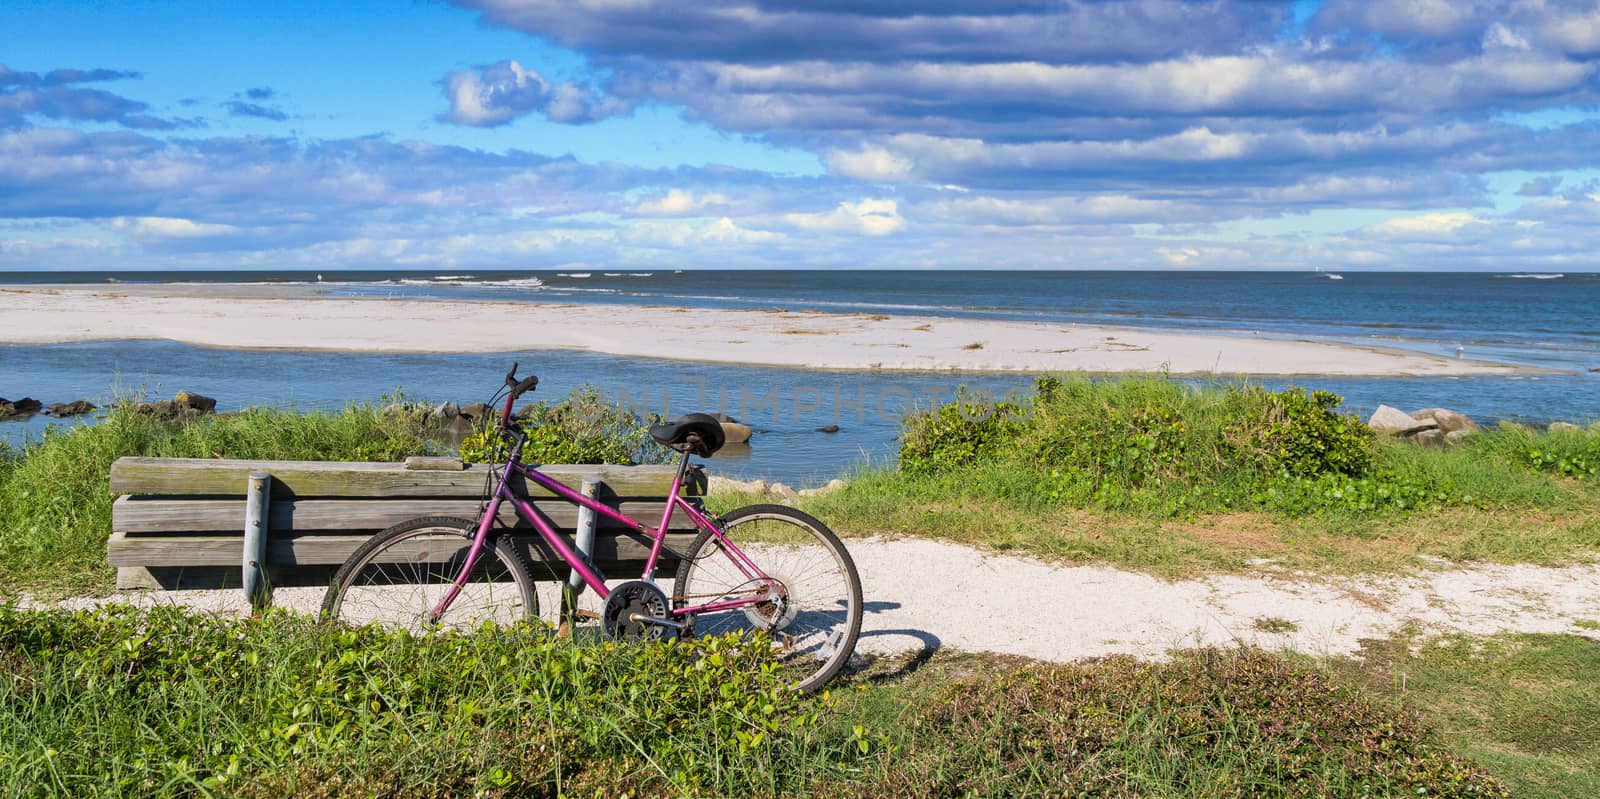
point(815, 616)
point(400, 576)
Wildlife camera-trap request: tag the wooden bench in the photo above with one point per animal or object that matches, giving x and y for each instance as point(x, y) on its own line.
point(180, 522)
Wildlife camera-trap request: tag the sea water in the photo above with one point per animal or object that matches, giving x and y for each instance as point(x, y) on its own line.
point(1536, 320)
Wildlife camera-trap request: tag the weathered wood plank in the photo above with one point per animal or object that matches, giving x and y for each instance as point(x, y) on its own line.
point(316, 550)
point(213, 577)
point(431, 464)
point(205, 477)
point(141, 515)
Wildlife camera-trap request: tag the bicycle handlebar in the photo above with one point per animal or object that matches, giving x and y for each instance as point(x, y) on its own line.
point(518, 388)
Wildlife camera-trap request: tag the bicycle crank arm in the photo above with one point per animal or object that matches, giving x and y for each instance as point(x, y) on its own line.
point(640, 618)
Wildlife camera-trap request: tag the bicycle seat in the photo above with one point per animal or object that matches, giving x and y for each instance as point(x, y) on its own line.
point(695, 433)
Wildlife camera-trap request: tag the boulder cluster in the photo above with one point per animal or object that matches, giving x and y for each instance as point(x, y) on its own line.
point(779, 490)
point(28, 406)
point(1436, 426)
point(1430, 426)
point(184, 405)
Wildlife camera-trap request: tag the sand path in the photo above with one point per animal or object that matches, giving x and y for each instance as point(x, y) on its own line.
point(922, 596)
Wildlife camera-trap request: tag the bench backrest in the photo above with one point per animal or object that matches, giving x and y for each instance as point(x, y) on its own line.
point(179, 522)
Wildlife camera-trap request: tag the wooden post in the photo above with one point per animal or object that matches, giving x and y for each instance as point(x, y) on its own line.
point(257, 498)
point(583, 538)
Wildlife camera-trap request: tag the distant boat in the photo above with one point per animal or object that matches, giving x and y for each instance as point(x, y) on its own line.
point(677, 271)
point(1332, 276)
point(319, 277)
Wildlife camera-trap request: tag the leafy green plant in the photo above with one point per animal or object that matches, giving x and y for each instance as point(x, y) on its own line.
point(959, 434)
point(1303, 436)
point(583, 428)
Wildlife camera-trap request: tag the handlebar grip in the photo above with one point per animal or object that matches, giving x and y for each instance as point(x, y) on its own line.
point(527, 384)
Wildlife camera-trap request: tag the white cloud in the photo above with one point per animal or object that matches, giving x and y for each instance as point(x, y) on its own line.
point(499, 93)
point(679, 202)
point(872, 217)
point(169, 227)
point(872, 164)
point(1424, 224)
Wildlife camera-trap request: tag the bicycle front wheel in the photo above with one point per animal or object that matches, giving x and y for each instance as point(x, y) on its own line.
point(401, 576)
point(814, 615)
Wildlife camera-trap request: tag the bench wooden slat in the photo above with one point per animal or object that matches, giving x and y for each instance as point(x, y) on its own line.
point(138, 515)
point(614, 552)
point(206, 477)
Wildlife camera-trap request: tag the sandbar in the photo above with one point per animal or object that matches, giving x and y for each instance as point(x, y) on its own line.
point(298, 318)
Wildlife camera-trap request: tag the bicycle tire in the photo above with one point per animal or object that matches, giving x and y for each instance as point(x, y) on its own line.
point(813, 638)
point(399, 575)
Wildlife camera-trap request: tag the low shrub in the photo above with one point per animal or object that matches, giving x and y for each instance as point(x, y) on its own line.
point(1151, 445)
point(1303, 435)
point(959, 434)
point(583, 428)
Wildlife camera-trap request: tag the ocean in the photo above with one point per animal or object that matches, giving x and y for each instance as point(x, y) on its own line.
point(1538, 320)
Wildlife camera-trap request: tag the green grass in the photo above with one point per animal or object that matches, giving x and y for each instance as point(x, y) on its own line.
point(160, 703)
point(1526, 706)
point(1152, 474)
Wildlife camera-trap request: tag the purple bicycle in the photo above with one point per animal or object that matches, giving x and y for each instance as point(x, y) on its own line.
point(788, 577)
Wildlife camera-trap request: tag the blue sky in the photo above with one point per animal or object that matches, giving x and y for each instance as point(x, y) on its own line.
point(537, 134)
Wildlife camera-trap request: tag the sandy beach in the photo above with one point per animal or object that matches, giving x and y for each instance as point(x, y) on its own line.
point(296, 318)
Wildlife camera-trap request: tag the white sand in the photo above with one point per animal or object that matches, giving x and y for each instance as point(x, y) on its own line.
point(265, 317)
point(925, 595)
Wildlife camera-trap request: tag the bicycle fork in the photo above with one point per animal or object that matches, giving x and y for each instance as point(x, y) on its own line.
point(478, 541)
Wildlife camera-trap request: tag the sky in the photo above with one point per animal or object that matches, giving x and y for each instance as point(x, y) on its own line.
point(645, 134)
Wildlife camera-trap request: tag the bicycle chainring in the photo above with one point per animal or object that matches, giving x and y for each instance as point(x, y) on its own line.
point(778, 610)
point(627, 603)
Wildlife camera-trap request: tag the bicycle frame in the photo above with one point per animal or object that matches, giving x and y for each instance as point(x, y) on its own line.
point(504, 493)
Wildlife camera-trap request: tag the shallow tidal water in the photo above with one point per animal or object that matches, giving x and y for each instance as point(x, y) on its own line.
point(785, 406)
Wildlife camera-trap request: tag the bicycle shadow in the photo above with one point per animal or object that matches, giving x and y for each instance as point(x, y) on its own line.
point(927, 646)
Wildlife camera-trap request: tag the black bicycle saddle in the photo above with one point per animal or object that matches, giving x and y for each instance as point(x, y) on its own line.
point(695, 433)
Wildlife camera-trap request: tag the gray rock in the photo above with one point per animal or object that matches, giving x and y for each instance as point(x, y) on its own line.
point(1430, 438)
point(832, 485)
point(1395, 422)
point(719, 483)
point(1448, 420)
point(163, 409)
point(446, 411)
point(782, 490)
point(199, 403)
point(1564, 427)
point(832, 428)
point(1456, 436)
point(476, 410)
point(18, 409)
point(61, 410)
